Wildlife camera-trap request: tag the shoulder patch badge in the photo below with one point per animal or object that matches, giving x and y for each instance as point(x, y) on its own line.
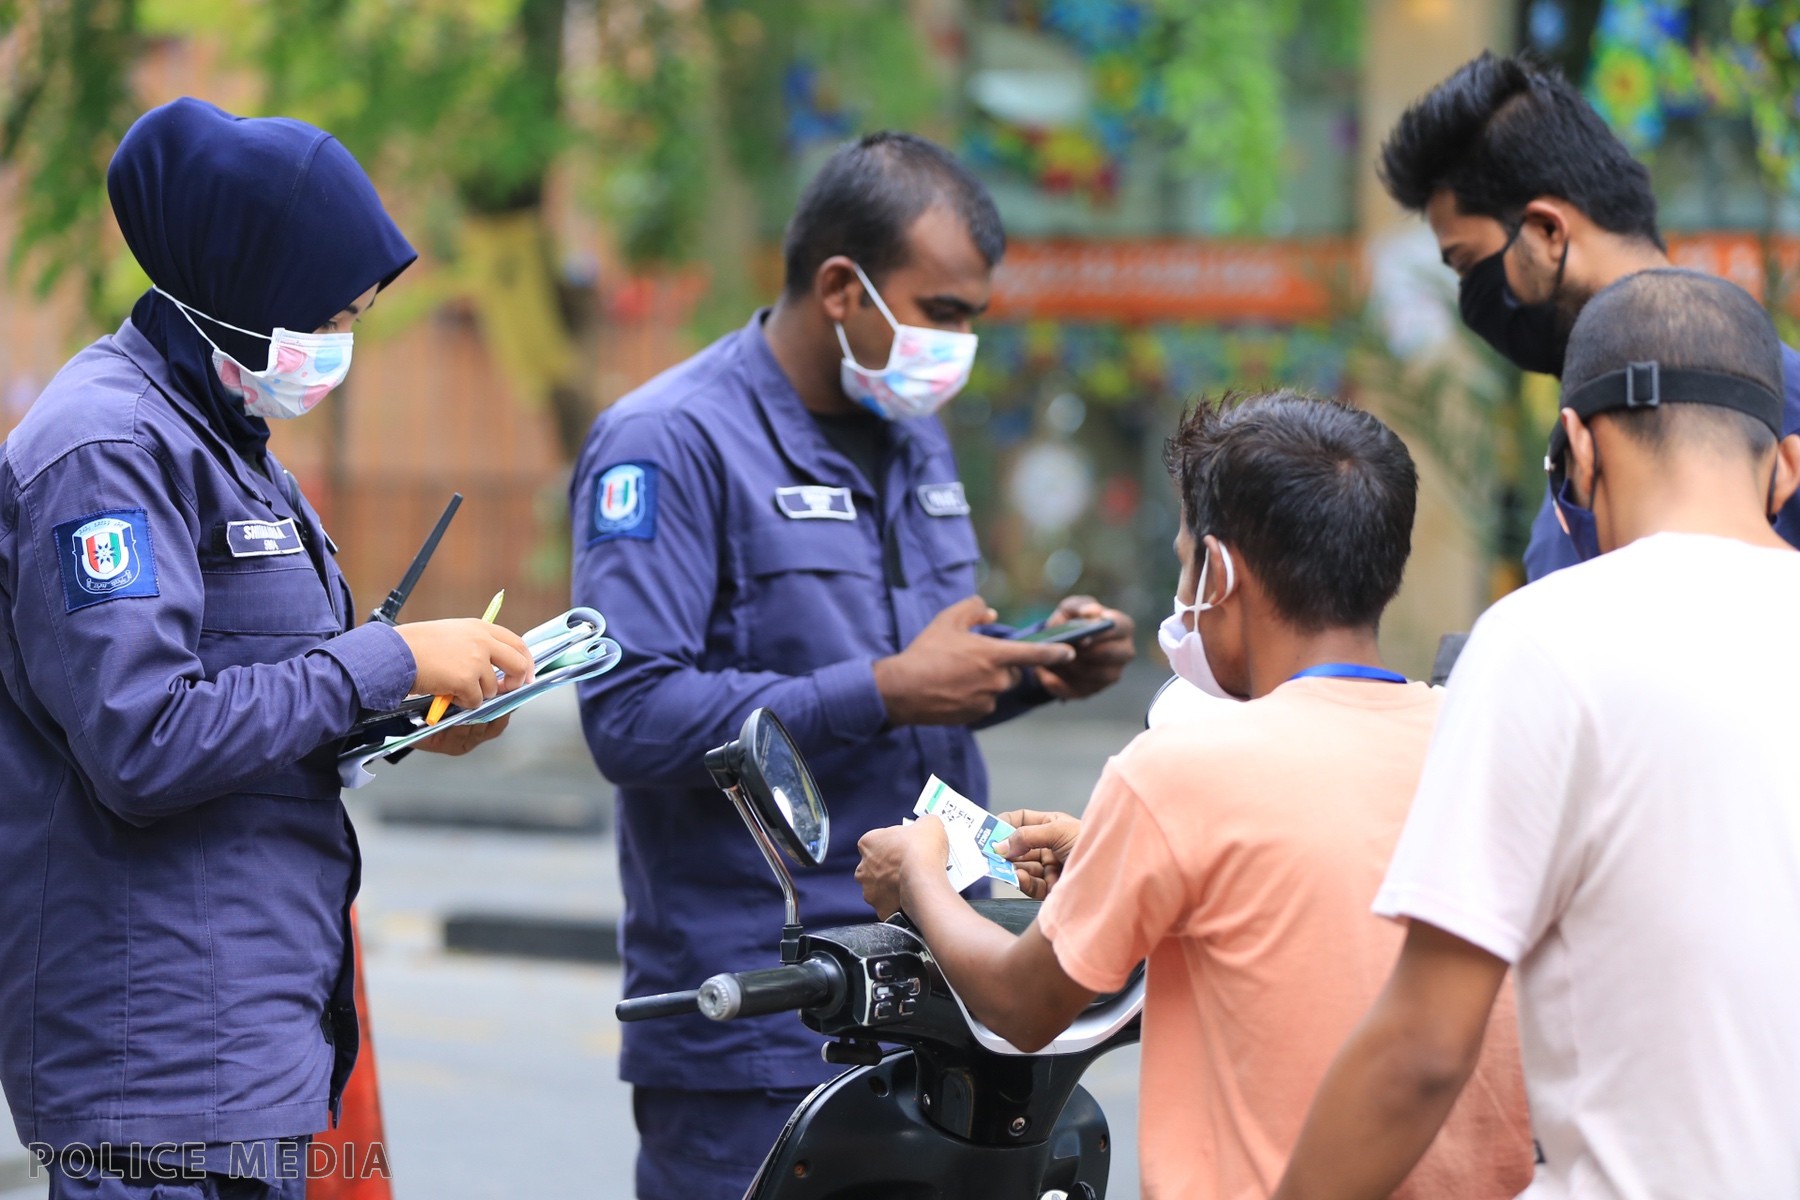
point(943, 500)
point(625, 503)
point(105, 556)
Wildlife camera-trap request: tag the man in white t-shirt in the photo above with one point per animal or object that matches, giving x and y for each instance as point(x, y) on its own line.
point(1611, 803)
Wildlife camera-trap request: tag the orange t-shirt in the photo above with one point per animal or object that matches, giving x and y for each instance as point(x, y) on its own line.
point(1240, 852)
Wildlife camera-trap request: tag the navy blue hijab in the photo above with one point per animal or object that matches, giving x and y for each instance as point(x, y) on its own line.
point(263, 222)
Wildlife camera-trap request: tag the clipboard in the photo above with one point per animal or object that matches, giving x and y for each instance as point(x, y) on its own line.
point(564, 650)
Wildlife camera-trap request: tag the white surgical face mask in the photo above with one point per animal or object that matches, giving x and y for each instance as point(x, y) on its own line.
point(925, 368)
point(1182, 645)
point(302, 368)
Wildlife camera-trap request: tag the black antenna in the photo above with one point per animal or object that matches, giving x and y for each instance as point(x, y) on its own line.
point(390, 608)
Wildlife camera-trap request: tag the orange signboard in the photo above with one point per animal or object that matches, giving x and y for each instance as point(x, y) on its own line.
point(1283, 281)
point(1173, 280)
point(1739, 258)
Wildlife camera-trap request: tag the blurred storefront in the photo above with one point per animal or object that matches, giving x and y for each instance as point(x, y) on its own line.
point(1128, 290)
point(1126, 294)
point(1123, 297)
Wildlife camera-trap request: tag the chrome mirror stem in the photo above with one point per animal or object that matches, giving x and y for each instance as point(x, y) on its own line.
point(769, 853)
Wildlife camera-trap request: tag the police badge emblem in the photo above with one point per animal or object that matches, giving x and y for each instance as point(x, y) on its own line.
point(105, 556)
point(625, 503)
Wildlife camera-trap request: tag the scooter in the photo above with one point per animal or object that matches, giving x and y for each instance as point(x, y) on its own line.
point(950, 1109)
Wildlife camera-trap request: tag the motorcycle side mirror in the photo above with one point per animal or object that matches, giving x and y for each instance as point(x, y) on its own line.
point(765, 777)
point(775, 779)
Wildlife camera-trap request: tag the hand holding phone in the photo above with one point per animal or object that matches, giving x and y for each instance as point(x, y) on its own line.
point(1069, 631)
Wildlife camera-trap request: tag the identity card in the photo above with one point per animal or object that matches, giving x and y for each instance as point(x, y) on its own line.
point(972, 831)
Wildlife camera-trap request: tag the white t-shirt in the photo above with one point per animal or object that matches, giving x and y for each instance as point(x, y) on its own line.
point(1611, 803)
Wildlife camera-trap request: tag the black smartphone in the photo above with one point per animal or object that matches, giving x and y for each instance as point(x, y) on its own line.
point(1068, 631)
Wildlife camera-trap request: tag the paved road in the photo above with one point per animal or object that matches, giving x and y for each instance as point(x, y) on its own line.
point(500, 1075)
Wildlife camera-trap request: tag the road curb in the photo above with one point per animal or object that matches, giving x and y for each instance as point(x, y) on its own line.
point(556, 939)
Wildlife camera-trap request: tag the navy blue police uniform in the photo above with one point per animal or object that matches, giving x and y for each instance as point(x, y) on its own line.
point(747, 562)
point(175, 863)
point(180, 661)
point(1551, 550)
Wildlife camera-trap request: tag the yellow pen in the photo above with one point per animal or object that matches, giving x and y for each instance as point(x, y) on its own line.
point(441, 704)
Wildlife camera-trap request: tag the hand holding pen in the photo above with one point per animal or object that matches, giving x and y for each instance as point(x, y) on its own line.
point(456, 660)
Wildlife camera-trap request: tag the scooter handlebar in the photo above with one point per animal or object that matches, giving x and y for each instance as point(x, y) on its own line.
point(817, 982)
point(646, 1008)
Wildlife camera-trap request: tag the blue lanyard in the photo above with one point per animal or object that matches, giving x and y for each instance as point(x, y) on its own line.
point(1349, 671)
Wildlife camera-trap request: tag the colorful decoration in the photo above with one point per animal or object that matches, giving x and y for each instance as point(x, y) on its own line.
point(1097, 25)
point(814, 113)
point(1648, 69)
point(1085, 158)
point(1112, 365)
point(1642, 68)
point(1086, 506)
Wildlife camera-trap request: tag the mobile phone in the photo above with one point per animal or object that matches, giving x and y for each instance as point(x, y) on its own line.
point(1069, 631)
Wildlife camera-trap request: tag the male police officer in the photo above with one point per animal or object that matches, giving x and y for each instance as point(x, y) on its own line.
point(1536, 207)
point(779, 522)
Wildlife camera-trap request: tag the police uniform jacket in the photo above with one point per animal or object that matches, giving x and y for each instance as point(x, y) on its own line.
point(176, 867)
point(744, 562)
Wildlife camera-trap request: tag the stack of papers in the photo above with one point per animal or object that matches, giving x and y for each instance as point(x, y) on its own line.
point(564, 650)
point(972, 831)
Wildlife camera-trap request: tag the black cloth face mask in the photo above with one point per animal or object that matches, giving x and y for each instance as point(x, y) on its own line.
point(1534, 336)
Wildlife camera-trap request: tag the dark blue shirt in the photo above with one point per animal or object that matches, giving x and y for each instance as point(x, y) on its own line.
point(740, 561)
point(1551, 550)
point(175, 864)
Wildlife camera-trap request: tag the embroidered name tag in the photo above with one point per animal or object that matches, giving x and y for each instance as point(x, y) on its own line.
point(105, 556)
point(815, 502)
point(260, 539)
point(943, 500)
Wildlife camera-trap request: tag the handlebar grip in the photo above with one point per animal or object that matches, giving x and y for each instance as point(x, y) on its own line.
point(814, 983)
point(669, 1004)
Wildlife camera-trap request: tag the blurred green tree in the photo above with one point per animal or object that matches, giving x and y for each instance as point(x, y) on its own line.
point(469, 107)
point(685, 113)
point(67, 101)
point(1223, 69)
point(460, 101)
point(1768, 31)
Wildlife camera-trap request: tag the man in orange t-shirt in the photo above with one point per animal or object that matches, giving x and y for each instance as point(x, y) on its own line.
point(1240, 851)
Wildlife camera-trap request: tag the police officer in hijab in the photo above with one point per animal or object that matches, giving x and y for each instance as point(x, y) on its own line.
point(180, 661)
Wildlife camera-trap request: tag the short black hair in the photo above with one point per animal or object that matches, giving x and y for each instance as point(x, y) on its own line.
point(869, 193)
point(1679, 319)
point(1316, 496)
point(1501, 132)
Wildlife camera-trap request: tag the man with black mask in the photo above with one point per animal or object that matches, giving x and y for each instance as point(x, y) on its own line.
point(1536, 206)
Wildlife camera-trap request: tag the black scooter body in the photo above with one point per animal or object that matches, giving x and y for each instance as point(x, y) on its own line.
point(955, 1112)
point(945, 1116)
point(864, 1135)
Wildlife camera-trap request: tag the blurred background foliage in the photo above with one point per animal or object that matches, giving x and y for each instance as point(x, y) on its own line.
point(692, 105)
point(691, 113)
point(570, 165)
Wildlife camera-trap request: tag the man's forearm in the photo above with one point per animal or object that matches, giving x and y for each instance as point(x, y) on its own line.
point(1375, 1114)
point(652, 724)
point(990, 968)
point(1394, 1082)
